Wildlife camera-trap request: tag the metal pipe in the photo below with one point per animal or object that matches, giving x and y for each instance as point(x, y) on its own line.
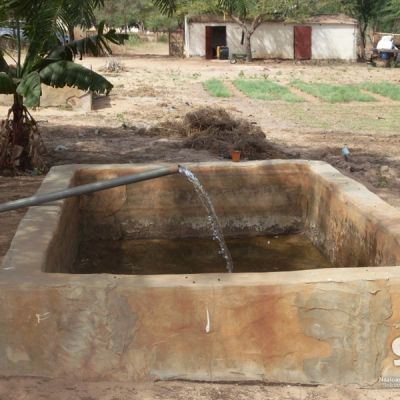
point(88, 188)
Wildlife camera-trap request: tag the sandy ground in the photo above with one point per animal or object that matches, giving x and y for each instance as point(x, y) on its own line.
point(44, 389)
point(158, 88)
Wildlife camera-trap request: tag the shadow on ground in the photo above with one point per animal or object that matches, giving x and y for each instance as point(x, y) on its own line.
point(70, 144)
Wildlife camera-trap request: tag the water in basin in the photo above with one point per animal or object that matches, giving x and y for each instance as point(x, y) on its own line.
point(192, 256)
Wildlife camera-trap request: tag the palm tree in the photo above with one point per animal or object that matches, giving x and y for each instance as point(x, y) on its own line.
point(81, 14)
point(46, 62)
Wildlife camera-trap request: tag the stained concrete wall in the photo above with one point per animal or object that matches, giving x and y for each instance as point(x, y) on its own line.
point(318, 326)
point(59, 97)
point(285, 198)
point(262, 327)
point(170, 208)
point(276, 40)
point(350, 228)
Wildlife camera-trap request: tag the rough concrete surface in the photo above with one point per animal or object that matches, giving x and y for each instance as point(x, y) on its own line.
point(76, 99)
point(323, 326)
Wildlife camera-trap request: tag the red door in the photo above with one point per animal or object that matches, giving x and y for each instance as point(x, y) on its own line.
point(209, 50)
point(302, 42)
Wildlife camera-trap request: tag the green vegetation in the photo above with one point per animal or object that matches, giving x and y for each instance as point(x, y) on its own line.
point(163, 38)
point(333, 93)
point(135, 39)
point(390, 20)
point(367, 13)
point(47, 62)
point(217, 88)
point(386, 89)
point(132, 13)
point(263, 89)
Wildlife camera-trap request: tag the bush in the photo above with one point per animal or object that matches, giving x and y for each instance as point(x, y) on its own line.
point(163, 38)
point(135, 39)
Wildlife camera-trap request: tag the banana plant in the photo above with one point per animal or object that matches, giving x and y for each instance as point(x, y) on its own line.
point(47, 62)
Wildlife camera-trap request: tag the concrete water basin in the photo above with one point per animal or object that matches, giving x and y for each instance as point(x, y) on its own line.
point(336, 324)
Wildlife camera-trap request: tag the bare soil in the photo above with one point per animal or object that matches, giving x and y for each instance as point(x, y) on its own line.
point(159, 91)
point(45, 389)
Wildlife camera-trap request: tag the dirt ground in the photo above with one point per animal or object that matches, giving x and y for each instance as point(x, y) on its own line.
point(44, 389)
point(155, 89)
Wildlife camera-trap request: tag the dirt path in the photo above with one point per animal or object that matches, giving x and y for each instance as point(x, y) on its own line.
point(306, 96)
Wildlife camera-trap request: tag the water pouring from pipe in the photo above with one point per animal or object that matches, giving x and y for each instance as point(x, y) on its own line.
point(212, 218)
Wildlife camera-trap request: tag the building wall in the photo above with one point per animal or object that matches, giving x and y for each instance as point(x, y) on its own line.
point(273, 40)
point(195, 42)
point(276, 40)
point(334, 42)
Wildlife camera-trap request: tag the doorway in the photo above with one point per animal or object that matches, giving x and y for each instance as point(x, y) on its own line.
point(302, 42)
point(215, 36)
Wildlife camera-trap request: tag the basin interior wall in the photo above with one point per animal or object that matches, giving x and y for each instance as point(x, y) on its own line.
point(335, 325)
point(251, 200)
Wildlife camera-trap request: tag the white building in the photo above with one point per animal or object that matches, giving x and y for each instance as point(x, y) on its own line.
point(318, 38)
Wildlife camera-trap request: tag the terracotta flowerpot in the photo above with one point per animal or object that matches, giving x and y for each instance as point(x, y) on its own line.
point(235, 155)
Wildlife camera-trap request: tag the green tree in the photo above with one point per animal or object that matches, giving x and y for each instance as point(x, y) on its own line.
point(46, 62)
point(390, 21)
point(139, 13)
point(117, 13)
point(367, 13)
point(196, 7)
point(78, 13)
point(249, 15)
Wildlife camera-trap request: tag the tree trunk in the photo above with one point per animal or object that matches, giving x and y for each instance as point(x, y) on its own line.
point(248, 32)
point(247, 43)
point(363, 40)
point(20, 140)
point(125, 24)
point(18, 109)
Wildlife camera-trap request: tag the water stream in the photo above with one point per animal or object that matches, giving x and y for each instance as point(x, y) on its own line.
point(212, 218)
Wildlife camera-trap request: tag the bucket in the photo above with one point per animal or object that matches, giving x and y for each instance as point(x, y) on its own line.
point(235, 155)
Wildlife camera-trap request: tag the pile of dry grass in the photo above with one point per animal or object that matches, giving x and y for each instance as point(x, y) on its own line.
point(217, 131)
point(113, 65)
